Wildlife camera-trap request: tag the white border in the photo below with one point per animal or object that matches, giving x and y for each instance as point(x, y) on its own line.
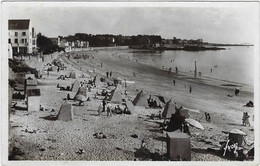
point(4, 81)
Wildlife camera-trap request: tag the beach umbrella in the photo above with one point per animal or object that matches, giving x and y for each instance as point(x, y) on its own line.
point(80, 97)
point(194, 123)
point(237, 131)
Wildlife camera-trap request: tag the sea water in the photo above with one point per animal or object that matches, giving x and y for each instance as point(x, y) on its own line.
point(235, 64)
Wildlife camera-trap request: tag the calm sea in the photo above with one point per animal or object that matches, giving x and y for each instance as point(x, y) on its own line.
point(234, 64)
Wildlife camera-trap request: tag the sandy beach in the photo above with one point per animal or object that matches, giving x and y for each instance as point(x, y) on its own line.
point(41, 139)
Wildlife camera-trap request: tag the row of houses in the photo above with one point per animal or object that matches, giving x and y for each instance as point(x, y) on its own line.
point(22, 37)
point(62, 42)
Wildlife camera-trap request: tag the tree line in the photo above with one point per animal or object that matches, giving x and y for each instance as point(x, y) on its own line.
point(46, 46)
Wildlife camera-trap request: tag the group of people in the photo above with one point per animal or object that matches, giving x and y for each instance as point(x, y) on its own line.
point(104, 107)
point(109, 74)
point(207, 116)
point(153, 103)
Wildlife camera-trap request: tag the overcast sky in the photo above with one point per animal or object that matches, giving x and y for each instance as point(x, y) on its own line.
point(224, 23)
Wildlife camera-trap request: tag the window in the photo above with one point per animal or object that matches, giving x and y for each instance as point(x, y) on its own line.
point(22, 40)
point(25, 40)
point(9, 41)
point(24, 33)
point(16, 33)
point(15, 40)
point(33, 42)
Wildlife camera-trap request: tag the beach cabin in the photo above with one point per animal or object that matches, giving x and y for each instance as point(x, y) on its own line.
point(29, 76)
point(30, 84)
point(178, 146)
point(33, 99)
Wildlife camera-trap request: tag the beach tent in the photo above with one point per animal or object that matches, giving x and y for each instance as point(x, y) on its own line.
point(130, 106)
point(115, 96)
point(161, 98)
point(178, 145)
point(97, 79)
point(81, 91)
point(66, 112)
point(75, 86)
point(54, 68)
point(169, 109)
point(72, 75)
point(141, 99)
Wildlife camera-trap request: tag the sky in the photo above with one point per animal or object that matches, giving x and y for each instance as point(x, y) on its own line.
point(220, 23)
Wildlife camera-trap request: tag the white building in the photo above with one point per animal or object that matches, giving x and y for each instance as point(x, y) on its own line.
point(22, 36)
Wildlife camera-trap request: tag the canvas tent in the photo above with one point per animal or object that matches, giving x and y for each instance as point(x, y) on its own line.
point(72, 75)
point(141, 99)
point(115, 96)
point(81, 91)
point(66, 112)
point(169, 109)
point(97, 80)
point(130, 106)
point(75, 86)
point(54, 68)
point(161, 98)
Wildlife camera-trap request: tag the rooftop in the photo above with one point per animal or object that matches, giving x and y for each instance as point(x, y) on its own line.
point(18, 24)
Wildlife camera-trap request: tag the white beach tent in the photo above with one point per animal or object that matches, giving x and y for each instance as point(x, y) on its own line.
point(66, 112)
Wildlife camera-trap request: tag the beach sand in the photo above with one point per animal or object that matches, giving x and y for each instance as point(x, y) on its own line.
point(59, 140)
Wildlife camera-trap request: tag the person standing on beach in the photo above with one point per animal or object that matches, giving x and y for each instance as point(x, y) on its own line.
point(176, 68)
point(190, 89)
point(134, 74)
point(104, 105)
point(246, 119)
point(107, 73)
point(100, 109)
point(48, 73)
point(174, 82)
point(110, 74)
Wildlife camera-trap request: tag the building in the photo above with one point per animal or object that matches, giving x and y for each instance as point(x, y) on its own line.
point(54, 40)
point(22, 36)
